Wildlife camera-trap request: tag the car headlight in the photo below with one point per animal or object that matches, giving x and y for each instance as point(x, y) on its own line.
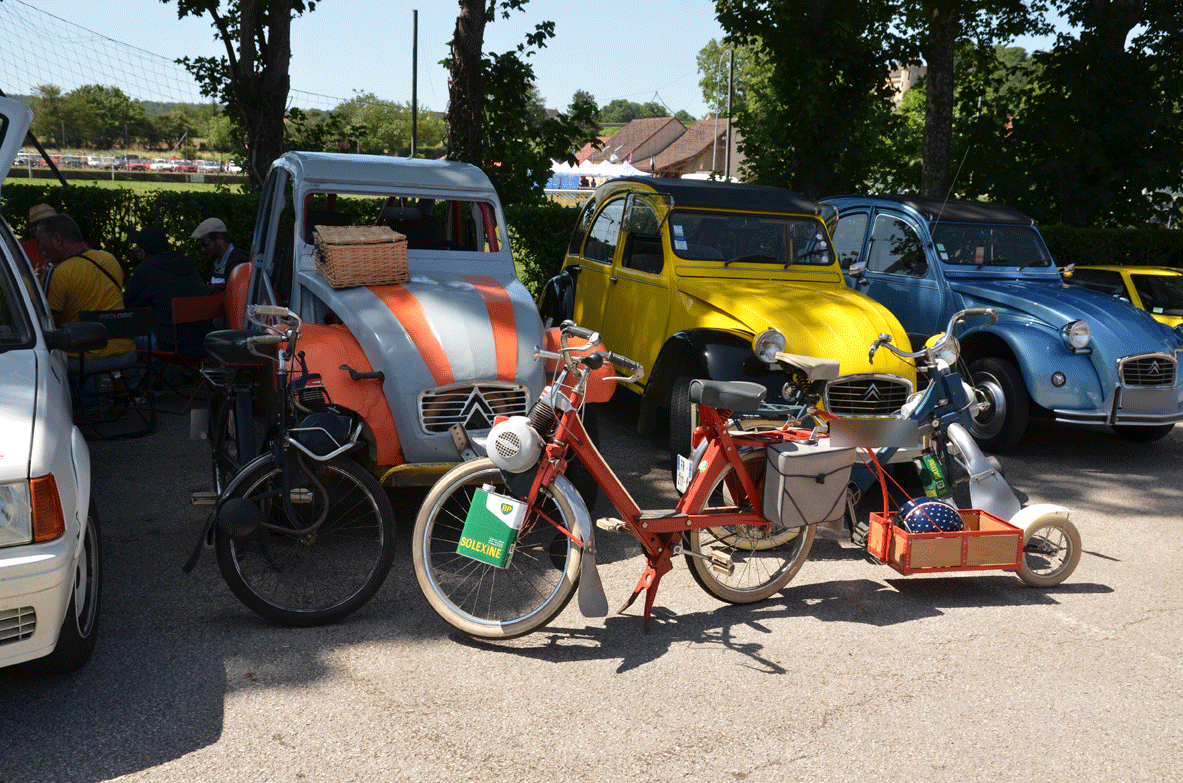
point(768, 343)
point(16, 514)
point(1077, 335)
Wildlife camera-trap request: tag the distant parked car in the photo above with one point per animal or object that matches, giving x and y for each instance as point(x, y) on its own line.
point(159, 164)
point(1157, 290)
point(1057, 352)
point(186, 166)
point(233, 168)
point(136, 164)
point(208, 167)
point(50, 565)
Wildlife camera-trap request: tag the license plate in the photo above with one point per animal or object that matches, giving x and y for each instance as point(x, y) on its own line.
point(1134, 401)
point(682, 475)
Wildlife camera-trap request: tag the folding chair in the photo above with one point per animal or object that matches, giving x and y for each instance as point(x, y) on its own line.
point(186, 310)
point(103, 398)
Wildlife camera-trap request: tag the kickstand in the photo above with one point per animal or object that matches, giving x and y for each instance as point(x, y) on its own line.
point(648, 582)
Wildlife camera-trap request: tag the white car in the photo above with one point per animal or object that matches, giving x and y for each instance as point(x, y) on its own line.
point(50, 563)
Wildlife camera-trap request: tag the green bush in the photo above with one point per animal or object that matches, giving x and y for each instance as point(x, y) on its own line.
point(1119, 246)
point(539, 234)
point(107, 215)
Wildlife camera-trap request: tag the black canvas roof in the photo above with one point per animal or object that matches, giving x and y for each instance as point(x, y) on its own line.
point(959, 210)
point(729, 195)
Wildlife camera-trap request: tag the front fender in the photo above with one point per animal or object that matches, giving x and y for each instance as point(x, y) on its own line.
point(702, 353)
point(1039, 351)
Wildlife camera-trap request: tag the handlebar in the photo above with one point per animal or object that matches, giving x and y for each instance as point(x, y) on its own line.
point(636, 368)
point(591, 360)
point(884, 339)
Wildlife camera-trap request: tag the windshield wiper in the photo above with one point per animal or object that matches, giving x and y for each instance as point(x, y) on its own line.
point(1036, 262)
point(817, 251)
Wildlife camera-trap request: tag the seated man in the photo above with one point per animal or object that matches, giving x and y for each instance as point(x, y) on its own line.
point(82, 279)
point(162, 275)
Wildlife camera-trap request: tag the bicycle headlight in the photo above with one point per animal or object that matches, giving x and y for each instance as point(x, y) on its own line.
point(513, 445)
point(948, 352)
point(767, 344)
point(1077, 335)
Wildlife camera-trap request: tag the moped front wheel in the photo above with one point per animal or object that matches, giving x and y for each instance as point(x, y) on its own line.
point(322, 564)
point(1051, 550)
point(484, 600)
point(742, 564)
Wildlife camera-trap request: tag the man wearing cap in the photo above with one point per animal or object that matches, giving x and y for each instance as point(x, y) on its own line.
point(162, 275)
point(31, 245)
point(213, 241)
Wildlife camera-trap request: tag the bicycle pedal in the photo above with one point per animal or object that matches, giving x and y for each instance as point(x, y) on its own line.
point(203, 498)
point(610, 525)
point(721, 563)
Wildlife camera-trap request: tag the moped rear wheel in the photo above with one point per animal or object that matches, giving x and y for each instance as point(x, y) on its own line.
point(484, 600)
point(1051, 551)
point(328, 570)
point(741, 564)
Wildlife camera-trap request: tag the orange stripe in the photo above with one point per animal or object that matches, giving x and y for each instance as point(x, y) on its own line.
point(505, 332)
point(409, 312)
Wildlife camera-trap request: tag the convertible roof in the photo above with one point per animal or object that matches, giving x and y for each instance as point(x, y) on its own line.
point(331, 168)
point(954, 210)
point(728, 195)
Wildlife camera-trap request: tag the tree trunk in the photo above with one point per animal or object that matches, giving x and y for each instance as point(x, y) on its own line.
point(466, 86)
point(938, 113)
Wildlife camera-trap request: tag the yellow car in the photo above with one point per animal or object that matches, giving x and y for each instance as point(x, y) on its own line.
point(1156, 289)
point(681, 275)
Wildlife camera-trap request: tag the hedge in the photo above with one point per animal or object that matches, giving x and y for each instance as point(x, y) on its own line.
point(107, 215)
point(539, 233)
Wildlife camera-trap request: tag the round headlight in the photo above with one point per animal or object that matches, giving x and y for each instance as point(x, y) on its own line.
point(767, 344)
point(1077, 334)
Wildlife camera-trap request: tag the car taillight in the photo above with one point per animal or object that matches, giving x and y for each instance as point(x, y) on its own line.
point(48, 521)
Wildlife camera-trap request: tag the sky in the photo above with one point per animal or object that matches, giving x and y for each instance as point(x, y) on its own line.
point(632, 49)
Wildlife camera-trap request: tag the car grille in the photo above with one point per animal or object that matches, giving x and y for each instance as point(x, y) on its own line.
point(17, 624)
point(1153, 369)
point(867, 395)
point(473, 405)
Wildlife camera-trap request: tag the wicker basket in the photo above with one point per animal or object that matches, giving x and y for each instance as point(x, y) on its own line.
point(351, 256)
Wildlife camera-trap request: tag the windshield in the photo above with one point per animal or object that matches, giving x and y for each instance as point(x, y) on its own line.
point(750, 238)
point(1160, 294)
point(986, 245)
point(428, 224)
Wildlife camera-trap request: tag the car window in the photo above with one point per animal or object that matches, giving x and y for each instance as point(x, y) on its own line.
point(1161, 294)
point(749, 238)
point(25, 274)
point(427, 223)
point(585, 219)
point(979, 245)
point(1103, 280)
point(642, 248)
point(848, 237)
point(896, 249)
point(605, 233)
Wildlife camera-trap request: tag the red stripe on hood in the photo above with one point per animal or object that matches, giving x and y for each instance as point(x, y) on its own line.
point(409, 312)
point(505, 332)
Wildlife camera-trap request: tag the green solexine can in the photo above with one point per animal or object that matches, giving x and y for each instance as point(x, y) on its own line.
point(491, 527)
point(932, 477)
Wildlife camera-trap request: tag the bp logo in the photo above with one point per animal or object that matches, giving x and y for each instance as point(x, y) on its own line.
point(506, 508)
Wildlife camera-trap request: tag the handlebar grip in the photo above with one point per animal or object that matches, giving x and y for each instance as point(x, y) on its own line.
point(267, 339)
point(990, 312)
point(271, 311)
point(573, 329)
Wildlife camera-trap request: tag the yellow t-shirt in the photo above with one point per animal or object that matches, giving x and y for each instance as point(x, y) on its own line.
point(76, 285)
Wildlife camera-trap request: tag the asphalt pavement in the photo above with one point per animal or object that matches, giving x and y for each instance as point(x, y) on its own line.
point(853, 673)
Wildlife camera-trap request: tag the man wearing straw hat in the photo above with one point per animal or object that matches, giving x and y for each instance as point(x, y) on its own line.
point(31, 245)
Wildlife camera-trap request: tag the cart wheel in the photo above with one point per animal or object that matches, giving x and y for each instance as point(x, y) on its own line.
point(1051, 546)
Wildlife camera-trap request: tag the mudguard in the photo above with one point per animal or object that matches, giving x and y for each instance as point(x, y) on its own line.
point(592, 600)
point(988, 490)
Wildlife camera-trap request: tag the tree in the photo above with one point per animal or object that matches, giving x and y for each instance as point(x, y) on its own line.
point(64, 119)
point(489, 124)
point(714, 63)
point(251, 80)
point(1104, 129)
point(115, 115)
point(817, 122)
point(621, 111)
point(933, 30)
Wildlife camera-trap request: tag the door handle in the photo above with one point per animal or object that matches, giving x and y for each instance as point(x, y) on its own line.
point(612, 278)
